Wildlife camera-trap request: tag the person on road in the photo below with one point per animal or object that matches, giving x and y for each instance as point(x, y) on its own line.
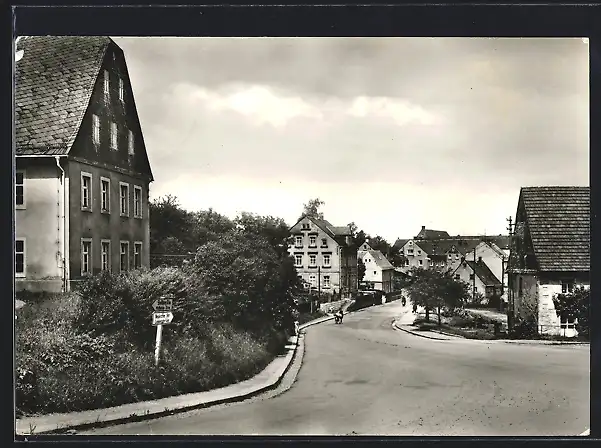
point(414, 308)
point(403, 300)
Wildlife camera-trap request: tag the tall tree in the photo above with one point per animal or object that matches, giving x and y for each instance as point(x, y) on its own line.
point(360, 270)
point(311, 208)
point(358, 236)
point(170, 226)
point(274, 230)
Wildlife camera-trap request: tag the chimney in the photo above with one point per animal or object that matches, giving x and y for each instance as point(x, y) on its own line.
point(479, 259)
point(423, 227)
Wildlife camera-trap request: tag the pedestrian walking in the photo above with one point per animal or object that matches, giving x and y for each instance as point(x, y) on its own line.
point(414, 308)
point(403, 300)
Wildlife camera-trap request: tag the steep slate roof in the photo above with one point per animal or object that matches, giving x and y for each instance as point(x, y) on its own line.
point(378, 258)
point(53, 86)
point(399, 243)
point(427, 234)
point(327, 227)
point(484, 273)
point(559, 223)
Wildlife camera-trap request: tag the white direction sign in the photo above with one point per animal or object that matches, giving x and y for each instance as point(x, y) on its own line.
point(163, 304)
point(162, 318)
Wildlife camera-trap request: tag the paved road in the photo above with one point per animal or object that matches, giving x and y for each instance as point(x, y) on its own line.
point(362, 377)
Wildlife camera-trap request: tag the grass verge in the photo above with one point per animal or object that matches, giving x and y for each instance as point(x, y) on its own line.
point(61, 369)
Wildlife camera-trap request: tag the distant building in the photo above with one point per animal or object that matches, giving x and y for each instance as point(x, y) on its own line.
point(550, 253)
point(429, 234)
point(324, 256)
point(378, 270)
point(496, 260)
point(479, 278)
point(82, 172)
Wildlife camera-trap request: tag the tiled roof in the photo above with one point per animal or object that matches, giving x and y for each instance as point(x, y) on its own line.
point(53, 85)
point(327, 227)
point(484, 273)
point(559, 223)
point(399, 243)
point(427, 234)
point(378, 258)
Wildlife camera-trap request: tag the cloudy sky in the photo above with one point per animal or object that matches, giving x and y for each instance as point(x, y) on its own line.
point(392, 133)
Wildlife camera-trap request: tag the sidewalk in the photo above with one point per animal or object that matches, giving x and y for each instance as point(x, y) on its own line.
point(267, 379)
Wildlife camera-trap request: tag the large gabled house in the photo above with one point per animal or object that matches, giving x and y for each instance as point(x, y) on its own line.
point(324, 256)
point(429, 234)
point(550, 253)
point(495, 258)
point(82, 172)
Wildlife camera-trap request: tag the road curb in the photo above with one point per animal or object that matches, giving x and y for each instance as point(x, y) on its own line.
point(144, 414)
point(396, 327)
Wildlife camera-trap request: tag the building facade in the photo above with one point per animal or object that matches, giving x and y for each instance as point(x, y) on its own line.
point(378, 270)
point(550, 254)
point(82, 172)
point(324, 256)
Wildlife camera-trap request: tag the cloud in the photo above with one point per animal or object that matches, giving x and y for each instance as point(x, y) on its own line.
point(266, 105)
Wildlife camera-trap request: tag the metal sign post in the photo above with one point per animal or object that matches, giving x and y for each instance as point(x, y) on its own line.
point(162, 315)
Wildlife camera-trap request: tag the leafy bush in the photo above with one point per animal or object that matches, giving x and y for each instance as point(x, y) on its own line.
point(577, 306)
point(524, 329)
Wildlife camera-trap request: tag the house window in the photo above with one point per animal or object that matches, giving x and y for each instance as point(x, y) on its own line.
point(299, 241)
point(327, 261)
point(20, 258)
point(471, 276)
point(105, 195)
point(86, 191)
point(375, 272)
point(137, 202)
point(121, 90)
point(106, 84)
point(312, 241)
point(137, 255)
point(567, 287)
point(124, 256)
point(457, 277)
point(305, 226)
point(130, 143)
point(313, 280)
point(124, 199)
point(409, 251)
point(95, 129)
point(421, 262)
point(312, 260)
point(298, 260)
point(419, 252)
point(105, 255)
point(406, 262)
point(86, 256)
point(20, 189)
point(568, 322)
point(324, 242)
point(326, 281)
point(113, 135)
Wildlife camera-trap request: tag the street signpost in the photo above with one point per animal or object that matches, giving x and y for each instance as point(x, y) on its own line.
point(162, 315)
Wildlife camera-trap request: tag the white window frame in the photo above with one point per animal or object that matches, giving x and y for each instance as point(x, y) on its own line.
point(296, 241)
point(106, 83)
point(313, 280)
point(105, 201)
point(103, 243)
point(22, 185)
point(569, 286)
point(312, 260)
point(314, 239)
point(567, 323)
point(114, 135)
point(24, 273)
point(121, 211)
point(130, 143)
point(406, 262)
point(95, 129)
point(324, 242)
point(138, 244)
point(296, 260)
point(121, 90)
point(138, 213)
point(89, 270)
point(420, 262)
point(327, 260)
point(121, 243)
point(326, 281)
point(85, 175)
